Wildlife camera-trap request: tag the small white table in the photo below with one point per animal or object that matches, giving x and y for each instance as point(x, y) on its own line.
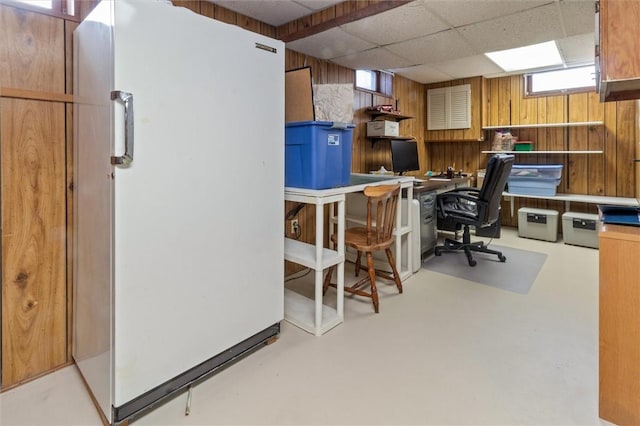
point(312, 315)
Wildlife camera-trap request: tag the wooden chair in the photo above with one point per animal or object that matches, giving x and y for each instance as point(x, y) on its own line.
point(382, 203)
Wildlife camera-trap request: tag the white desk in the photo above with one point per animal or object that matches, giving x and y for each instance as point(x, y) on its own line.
point(314, 316)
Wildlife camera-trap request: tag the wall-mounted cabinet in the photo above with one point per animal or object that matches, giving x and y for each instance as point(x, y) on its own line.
point(454, 111)
point(449, 107)
point(617, 47)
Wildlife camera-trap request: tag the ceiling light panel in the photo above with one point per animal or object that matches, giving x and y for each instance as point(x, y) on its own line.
point(527, 57)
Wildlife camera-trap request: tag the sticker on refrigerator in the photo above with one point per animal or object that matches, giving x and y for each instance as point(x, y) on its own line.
point(333, 139)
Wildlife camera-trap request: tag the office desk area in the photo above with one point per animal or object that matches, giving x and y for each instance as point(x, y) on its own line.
point(439, 184)
point(314, 316)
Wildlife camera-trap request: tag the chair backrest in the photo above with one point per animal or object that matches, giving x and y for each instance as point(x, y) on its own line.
point(495, 180)
point(382, 204)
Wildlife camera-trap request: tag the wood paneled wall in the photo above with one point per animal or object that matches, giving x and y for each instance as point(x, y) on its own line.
point(34, 178)
point(366, 155)
point(611, 173)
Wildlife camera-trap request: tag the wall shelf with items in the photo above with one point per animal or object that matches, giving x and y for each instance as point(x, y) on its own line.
point(381, 115)
point(378, 116)
point(542, 152)
point(567, 198)
point(578, 198)
point(543, 125)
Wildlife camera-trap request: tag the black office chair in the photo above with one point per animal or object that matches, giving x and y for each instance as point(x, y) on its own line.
point(463, 207)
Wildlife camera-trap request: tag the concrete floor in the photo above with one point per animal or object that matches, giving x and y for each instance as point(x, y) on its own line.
point(446, 352)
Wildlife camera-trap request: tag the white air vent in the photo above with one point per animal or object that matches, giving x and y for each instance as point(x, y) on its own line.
point(449, 108)
point(436, 118)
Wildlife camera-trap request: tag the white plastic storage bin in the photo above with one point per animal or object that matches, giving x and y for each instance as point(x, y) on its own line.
point(539, 224)
point(580, 229)
point(534, 179)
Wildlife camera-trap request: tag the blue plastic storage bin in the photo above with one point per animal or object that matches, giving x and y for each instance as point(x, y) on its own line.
point(532, 186)
point(317, 154)
point(547, 171)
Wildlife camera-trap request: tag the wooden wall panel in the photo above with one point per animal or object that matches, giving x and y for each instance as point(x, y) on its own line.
point(32, 210)
point(626, 136)
point(31, 51)
point(608, 174)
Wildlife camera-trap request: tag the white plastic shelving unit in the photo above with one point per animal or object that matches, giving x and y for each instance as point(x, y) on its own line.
point(312, 315)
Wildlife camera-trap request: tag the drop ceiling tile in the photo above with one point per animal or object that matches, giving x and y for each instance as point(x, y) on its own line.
point(330, 44)
point(401, 23)
point(377, 59)
point(464, 12)
point(272, 12)
point(422, 74)
point(317, 4)
point(578, 16)
point(468, 67)
point(522, 29)
point(578, 49)
point(437, 47)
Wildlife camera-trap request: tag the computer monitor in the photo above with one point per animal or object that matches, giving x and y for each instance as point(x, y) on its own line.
point(404, 156)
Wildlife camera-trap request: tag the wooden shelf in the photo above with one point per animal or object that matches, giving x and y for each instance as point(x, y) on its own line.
point(578, 198)
point(375, 139)
point(542, 152)
point(378, 115)
point(543, 125)
point(402, 138)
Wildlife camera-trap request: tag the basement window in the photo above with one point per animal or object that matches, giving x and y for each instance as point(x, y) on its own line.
point(60, 8)
point(560, 82)
point(375, 81)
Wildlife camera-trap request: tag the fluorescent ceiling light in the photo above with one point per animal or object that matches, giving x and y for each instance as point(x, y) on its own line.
point(527, 57)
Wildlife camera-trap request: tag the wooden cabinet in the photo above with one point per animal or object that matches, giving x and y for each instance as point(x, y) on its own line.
point(474, 132)
point(617, 47)
point(619, 342)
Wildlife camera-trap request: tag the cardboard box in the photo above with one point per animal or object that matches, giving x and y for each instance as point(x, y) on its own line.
point(383, 128)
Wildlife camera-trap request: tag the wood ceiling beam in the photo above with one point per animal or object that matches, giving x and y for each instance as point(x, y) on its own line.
point(333, 16)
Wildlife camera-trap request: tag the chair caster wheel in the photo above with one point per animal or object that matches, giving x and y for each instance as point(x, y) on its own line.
point(472, 263)
point(502, 258)
point(437, 253)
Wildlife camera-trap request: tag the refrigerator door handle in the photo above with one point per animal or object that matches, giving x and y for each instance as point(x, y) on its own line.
point(127, 100)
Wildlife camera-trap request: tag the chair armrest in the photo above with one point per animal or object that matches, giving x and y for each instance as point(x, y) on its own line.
point(456, 196)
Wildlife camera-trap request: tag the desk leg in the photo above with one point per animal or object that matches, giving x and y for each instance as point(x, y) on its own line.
point(341, 250)
point(319, 270)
